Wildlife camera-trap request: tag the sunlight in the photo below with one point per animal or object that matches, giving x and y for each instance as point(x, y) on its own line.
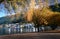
point(36, 7)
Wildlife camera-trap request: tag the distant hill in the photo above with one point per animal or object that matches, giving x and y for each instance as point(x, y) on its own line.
point(12, 19)
point(4, 20)
point(55, 8)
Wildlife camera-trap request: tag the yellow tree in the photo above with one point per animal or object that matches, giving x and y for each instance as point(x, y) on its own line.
point(51, 17)
point(53, 20)
point(38, 19)
point(43, 16)
point(30, 11)
point(35, 14)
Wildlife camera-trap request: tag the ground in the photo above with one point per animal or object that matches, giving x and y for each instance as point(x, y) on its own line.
point(32, 36)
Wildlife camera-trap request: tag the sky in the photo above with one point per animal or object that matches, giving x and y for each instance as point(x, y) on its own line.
point(3, 10)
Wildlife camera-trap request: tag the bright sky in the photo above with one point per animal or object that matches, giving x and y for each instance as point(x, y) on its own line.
point(2, 11)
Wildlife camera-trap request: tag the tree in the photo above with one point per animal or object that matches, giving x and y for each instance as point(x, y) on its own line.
point(51, 18)
point(44, 16)
point(35, 14)
point(1, 1)
point(53, 21)
point(38, 19)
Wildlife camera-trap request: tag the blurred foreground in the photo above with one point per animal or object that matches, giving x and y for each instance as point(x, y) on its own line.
point(32, 36)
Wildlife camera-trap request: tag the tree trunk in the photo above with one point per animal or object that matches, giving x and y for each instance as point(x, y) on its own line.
point(38, 29)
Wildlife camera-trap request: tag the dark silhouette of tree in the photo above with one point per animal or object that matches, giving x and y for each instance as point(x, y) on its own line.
point(1, 1)
point(53, 21)
point(55, 7)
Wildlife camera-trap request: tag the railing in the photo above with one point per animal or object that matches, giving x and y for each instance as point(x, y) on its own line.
point(15, 30)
